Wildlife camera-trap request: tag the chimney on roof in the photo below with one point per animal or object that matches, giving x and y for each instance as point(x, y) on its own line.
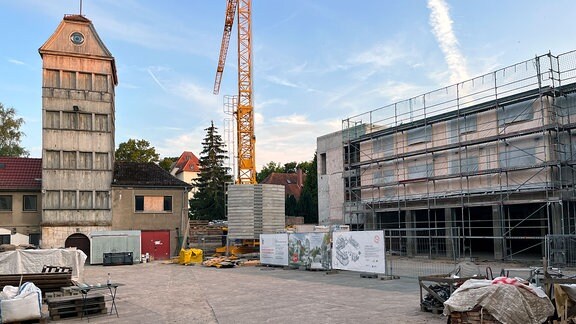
point(299, 178)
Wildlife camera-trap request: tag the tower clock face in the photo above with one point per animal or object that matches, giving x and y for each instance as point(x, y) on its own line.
point(77, 38)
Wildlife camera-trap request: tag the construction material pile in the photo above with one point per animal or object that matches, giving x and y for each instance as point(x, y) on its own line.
point(508, 300)
point(229, 262)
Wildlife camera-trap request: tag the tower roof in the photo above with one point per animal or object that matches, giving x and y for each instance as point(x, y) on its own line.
point(88, 45)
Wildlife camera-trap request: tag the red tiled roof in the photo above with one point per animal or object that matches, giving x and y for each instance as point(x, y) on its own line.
point(20, 173)
point(288, 180)
point(187, 162)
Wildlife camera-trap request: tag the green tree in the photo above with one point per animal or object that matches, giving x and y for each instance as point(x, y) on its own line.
point(136, 151)
point(306, 166)
point(10, 133)
point(167, 162)
point(308, 203)
point(209, 201)
point(268, 169)
point(275, 167)
point(290, 167)
point(291, 206)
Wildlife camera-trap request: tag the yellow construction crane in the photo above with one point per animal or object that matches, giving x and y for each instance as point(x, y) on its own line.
point(245, 110)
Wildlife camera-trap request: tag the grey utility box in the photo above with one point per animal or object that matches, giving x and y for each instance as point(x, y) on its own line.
point(115, 243)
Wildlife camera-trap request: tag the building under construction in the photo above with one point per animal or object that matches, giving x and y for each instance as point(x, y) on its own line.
point(482, 167)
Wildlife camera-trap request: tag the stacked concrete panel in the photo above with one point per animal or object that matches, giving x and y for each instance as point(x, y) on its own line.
point(273, 208)
point(254, 210)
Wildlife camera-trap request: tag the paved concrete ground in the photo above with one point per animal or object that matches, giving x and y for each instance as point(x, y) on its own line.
point(169, 293)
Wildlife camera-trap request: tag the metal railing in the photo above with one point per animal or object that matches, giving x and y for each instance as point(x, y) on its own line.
point(561, 250)
point(437, 250)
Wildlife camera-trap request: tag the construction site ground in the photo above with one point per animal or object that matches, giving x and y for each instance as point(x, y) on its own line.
point(161, 292)
point(157, 292)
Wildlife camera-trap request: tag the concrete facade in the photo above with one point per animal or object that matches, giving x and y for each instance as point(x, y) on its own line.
point(78, 80)
point(477, 167)
point(330, 154)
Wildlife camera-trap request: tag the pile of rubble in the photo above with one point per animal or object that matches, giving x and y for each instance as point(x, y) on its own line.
point(229, 262)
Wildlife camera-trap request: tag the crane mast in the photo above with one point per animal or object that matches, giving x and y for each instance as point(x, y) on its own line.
point(246, 140)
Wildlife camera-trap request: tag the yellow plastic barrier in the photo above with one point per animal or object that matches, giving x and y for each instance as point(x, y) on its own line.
point(188, 256)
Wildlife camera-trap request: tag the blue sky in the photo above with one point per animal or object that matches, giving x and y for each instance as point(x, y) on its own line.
point(315, 62)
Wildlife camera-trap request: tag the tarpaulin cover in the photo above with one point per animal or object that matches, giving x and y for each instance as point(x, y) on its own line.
point(187, 256)
point(20, 304)
point(32, 261)
point(565, 299)
point(508, 301)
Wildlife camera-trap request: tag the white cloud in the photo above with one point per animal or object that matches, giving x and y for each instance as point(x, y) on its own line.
point(379, 56)
point(292, 119)
point(441, 24)
point(128, 85)
point(290, 138)
point(282, 82)
point(275, 102)
point(297, 69)
point(17, 62)
point(174, 146)
point(395, 91)
point(202, 97)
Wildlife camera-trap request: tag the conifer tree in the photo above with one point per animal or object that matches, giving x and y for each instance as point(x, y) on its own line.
point(209, 201)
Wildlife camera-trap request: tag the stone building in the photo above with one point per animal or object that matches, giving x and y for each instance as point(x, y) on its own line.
point(78, 80)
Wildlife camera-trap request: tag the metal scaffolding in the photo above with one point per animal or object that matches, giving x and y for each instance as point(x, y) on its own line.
point(489, 161)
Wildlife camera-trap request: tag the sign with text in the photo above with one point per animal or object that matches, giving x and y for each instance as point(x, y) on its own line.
point(274, 249)
point(359, 251)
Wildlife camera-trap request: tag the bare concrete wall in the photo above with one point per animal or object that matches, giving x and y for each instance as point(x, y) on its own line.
point(330, 183)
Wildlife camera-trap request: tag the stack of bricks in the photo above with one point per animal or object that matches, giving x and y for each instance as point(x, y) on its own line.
point(64, 291)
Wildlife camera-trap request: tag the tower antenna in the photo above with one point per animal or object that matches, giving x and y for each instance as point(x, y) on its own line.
point(80, 7)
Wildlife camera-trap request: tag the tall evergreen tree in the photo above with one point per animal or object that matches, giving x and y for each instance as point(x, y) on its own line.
point(209, 201)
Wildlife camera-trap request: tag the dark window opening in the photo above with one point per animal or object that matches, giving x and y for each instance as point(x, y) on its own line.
point(139, 203)
point(30, 203)
point(5, 203)
point(5, 239)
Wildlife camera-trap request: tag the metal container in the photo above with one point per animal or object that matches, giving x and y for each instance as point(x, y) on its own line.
point(102, 242)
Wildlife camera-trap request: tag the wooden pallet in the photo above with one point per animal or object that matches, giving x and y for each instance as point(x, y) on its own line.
point(47, 282)
point(75, 306)
point(474, 316)
point(432, 309)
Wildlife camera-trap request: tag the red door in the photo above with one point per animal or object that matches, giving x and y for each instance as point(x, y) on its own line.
point(157, 244)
